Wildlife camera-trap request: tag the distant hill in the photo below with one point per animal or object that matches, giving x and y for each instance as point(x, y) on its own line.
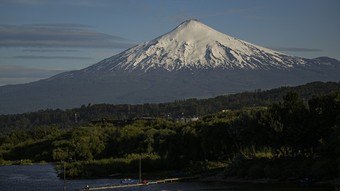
point(172, 110)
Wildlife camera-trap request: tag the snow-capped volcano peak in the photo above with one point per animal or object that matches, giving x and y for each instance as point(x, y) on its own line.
point(191, 61)
point(193, 32)
point(194, 45)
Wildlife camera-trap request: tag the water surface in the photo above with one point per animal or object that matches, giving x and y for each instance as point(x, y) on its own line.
point(40, 177)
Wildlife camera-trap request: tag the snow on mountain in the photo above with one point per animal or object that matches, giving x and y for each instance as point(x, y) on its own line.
point(191, 61)
point(194, 45)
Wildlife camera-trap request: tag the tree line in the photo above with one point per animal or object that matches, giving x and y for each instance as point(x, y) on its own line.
point(182, 108)
point(295, 136)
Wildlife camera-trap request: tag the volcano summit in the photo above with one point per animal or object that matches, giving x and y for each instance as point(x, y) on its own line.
point(193, 45)
point(193, 60)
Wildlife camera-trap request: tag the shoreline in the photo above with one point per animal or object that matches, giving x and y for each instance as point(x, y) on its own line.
point(204, 177)
point(235, 180)
point(24, 162)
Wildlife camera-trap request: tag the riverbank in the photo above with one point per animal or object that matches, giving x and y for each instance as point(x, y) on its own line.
point(43, 177)
point(20, 162)
point(203, 172)
point(216, 177)
point(220, 177)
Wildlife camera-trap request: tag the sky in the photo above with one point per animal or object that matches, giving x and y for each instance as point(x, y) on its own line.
point(40, 38)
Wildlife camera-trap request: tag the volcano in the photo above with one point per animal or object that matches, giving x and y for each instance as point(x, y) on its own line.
point(191, 61)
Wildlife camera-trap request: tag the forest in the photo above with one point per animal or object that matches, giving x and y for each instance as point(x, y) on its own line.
point(83, 115)
point(294, 137)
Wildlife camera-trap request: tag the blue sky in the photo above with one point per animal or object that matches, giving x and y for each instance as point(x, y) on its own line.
point(39, 38)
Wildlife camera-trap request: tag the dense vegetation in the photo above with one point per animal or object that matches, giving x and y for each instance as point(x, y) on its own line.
point(183, 108)
point(293, 138)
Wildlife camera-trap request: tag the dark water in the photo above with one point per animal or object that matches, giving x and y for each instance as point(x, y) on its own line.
point(43, 177)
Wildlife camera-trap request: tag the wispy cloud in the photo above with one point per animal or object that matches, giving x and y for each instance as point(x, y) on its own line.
point(25, 2)
point(86, 3)
point(52, 57)
point(58, 35)
point(60, 25)
point(13, 74)
point(49, 50)
point(295, 49)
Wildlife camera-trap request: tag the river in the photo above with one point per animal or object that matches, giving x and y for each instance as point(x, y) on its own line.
point(39, 177)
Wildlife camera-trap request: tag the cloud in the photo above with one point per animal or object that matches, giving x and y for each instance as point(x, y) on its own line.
point(49, 50)
point(58, 35)
point(25, 2)
point(60, 25)
point(14, 71)
point(13, 74)
point(85, 3)
point(295, 49)
point(52, 57)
